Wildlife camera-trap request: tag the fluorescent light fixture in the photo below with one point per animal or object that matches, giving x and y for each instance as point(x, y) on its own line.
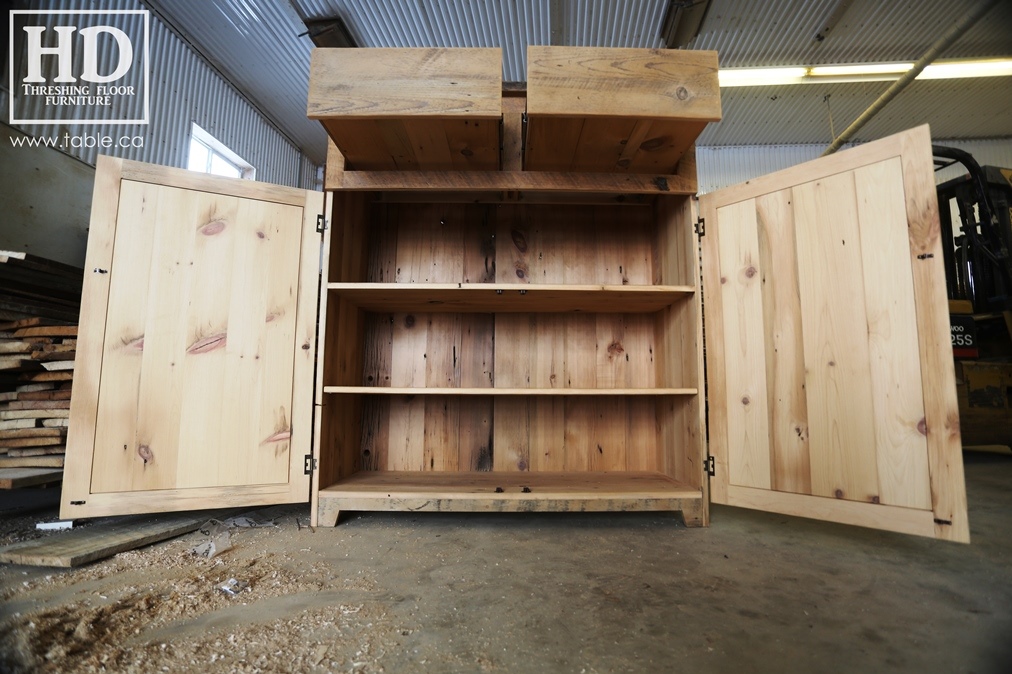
point(751, 77)
point(957, 69)
point(859, 69)
point(861, 72)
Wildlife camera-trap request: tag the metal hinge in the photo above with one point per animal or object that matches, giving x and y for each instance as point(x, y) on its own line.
point(701, 227)
point(710, 466)
point(523, 136)
point(321, 224)
point(310, 464)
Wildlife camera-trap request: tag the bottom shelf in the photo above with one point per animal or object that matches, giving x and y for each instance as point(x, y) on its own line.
point(509, 492)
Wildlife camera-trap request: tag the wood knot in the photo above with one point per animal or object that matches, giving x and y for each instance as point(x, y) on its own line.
point(745, 400)
point(723, 280)
point(409, 321)
point(681, 93)
point(208, 343)
point(466, 152)
point(922, 426)
point(519, 240)
point(838, 493)
point(521, 465)
point(875, 499)
point(615, 349)
point(261, 235)
point(146, 454)
point(212, 228)
point(653, 144)
point(750, 272)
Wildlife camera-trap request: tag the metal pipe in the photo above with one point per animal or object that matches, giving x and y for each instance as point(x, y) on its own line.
point(954, 33)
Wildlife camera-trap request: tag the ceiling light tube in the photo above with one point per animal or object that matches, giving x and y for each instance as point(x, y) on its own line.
point(861, 72)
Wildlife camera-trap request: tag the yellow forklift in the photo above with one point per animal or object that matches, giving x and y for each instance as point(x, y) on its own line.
point(976, 219)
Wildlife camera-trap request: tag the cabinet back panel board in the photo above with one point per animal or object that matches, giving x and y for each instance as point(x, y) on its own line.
point(519, 433)
point(509, 243)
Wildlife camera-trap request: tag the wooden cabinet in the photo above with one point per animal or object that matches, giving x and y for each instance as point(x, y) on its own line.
point(528, 334)
point(193, 386)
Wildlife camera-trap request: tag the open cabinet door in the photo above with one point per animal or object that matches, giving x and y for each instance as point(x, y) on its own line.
point(831, 385)
point(194, 378)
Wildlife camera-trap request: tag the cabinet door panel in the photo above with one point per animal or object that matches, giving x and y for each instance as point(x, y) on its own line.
point(830, 375)
point(197, 344)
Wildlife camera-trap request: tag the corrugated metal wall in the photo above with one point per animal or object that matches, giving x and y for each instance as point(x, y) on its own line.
point(183, 89)
point(723, 166)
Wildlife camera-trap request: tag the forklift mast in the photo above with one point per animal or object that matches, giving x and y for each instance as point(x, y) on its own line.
point(978, 266)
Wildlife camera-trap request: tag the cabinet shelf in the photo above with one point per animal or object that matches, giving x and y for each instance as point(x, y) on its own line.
point(509, 298)
point(442, 490)
point(488, 391)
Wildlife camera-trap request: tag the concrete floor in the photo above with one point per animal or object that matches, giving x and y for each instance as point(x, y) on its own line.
point(754, 592)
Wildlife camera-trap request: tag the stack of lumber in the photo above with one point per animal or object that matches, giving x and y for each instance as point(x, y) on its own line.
point(39, 303)
point(35, 413)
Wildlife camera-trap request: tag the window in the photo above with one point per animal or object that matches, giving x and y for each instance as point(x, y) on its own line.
point(209, 155)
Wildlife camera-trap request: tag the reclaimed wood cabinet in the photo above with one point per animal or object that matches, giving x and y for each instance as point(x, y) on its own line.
point(511, 312)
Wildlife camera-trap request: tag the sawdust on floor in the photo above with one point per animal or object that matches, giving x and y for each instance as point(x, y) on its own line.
point(160, 609)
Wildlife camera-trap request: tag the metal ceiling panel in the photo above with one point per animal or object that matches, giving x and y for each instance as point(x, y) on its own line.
point(255, 45)
point(760, 34)
point(801, 113)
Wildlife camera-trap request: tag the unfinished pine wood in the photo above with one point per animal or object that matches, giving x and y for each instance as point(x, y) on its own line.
point(13, 424)
point(575, 245)
point(546, 492)
point(338, 421)
point(103, 539)
point(34, 414)
point(897, 391)
point(563, 351)
point(785, 383)
point(410, 108)
point(39, 405)
point(616, 110)
point(429, 350)
point(19, 478)
point(201, 344)
point(846, 331)
point(47, 376)
point(17, 346)
point(13, 362)
point(43, 461)
point(530, 184)
point(58, 365)
point(43, 395)
point(37, 451)
point(38, 441)
point(835, 340)
point(29, 433)
point(47, 331)
point(742, 326)
point(945, 465)
point(501, 391)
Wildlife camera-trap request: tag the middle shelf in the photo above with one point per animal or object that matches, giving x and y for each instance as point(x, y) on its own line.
point(508, 298)
point(448, 391)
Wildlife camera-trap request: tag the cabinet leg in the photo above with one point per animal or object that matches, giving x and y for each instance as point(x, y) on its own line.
point(328, 514)
point(692, 513)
